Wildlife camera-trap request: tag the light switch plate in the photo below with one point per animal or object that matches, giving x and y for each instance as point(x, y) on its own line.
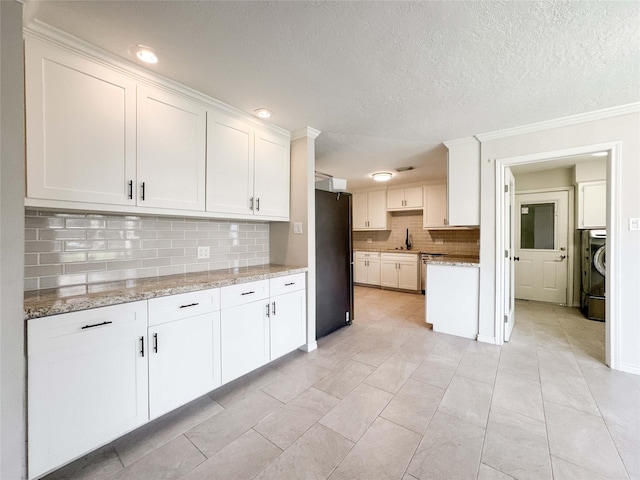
point(297, 228)
point(634, 224)
point(204, 252)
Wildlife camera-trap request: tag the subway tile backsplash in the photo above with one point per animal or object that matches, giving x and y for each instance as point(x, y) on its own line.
point(457, 242)
point(64, 249)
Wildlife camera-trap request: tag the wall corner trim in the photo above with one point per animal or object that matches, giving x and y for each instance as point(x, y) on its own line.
point(486, 339)
point(310, 132)
point(561, 122)
point(309, 347)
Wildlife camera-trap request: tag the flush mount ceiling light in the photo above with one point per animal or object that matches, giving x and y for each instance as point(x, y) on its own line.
point(382, 176)
point(143, 53)
point(600, 154)
point(262, 113)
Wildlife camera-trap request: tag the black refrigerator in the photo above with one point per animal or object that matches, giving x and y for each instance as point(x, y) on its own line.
point(334, 262)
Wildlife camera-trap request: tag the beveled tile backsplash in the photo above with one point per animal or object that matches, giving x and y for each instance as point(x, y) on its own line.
point(68, 248)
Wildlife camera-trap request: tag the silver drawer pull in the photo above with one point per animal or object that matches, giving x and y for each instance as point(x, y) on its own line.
point(289, 284)
point(95, 325)
point(189, 305)
point(248, 293)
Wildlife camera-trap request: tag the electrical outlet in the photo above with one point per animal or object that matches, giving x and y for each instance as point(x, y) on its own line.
point(439, 241)
point(297, 228)
point(204, 252)
point(369, 240)
point(634, 224)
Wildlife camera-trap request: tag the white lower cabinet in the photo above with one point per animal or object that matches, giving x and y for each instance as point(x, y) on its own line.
point(367, 268)
point(184, 349)
point(288, 314)
point(87, 381)
point(399, 270)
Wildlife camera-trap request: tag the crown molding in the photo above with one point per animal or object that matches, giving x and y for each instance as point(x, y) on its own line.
point(309, 132)
point(561, 122)
point(77, 46)
point(460, 141)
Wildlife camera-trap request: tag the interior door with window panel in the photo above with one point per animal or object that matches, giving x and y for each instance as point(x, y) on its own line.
point(542, 222)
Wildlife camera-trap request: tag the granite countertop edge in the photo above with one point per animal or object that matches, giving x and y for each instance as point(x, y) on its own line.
point(455, 263)
point(44, 303)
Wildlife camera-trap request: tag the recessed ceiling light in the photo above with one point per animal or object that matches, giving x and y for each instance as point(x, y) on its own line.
point(600, 154)
point(262, 113)
point(144, 54)
point(382, 176)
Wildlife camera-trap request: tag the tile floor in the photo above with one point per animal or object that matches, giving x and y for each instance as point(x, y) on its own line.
point(387, 398)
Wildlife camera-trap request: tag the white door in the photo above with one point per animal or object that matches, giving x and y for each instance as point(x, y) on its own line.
point(182, 362)
point(541, 246)
point(359, 211)
point(377, 210)
point(389, 273)
point(408, 275)
point(229, 164)
point(509, 262)
point(271, 171)
point(171, 151)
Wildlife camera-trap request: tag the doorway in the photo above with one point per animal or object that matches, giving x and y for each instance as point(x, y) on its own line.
point(503, 169)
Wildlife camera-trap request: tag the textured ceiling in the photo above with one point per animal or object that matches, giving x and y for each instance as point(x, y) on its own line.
point(385, 82)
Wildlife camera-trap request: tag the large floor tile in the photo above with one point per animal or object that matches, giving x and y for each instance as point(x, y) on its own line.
point(244, 386)
point(436, 371)
point(357, 411)
point(392, 374)
point(245, 457)
point(383, 453)
point(375, 353)
point(342, 381)
point(518, 394)
point(563, 470)
point(568, 389)
point(450, 450)
point(219, 431)
point(312, 457)
point(414, 405)
point(468, 400)
point(171, 461)
point(478, 366)
point(519, 361)
point(488, 473)
point(517, 445)
point(626, 438)
point(98, 465)
point(147, 438)
point(582, 439)
point(291, 385)
point(285, 425)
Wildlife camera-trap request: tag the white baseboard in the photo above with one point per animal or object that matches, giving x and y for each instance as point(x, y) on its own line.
point(309, 347)
point(628, 368)
point(486, 339)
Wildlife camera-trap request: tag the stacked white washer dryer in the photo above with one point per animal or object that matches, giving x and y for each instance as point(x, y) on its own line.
point(592, 296)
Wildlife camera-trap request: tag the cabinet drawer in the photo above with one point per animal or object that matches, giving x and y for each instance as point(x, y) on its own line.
point(183, 305)
point(85, 327)
point(289, 283)
point(244, 293)
point(367, 255)
point(400, 257)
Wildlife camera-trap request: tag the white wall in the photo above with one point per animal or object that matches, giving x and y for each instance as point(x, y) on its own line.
point(624, 129)
point(552, 178)
point(12, 362)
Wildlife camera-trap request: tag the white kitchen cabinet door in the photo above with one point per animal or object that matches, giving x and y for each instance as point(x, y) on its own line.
point(377, 210)
point(288, 323)
point(81, 128)
point(171, 151)
point(230, 154)
point(373, 271)
point(359, 211)
point(184, 361)
point(404, 198)
point(389, 273)
point(413, 197)
point(244, 338)
point(592, 204)
point(271, 175)
point(463, 182)
point(435, 206)
point(87, 381)
point(408, 275)
point(395, 199)
point(360, 270)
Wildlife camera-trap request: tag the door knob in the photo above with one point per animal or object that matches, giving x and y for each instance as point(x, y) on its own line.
point(562, 257)
point(516, 259)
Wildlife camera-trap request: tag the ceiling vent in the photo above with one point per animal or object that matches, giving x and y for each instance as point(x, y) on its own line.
point(403, 169)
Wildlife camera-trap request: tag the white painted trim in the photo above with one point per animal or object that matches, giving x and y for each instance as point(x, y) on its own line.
point(612, 325)
point(309, 347)
point(561, 122)
point(46, 33)
point(307, 132)
point(460, 141)
point(486, 339)
point(625, 367)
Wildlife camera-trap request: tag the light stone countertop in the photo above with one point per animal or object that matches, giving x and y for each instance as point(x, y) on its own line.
point(43, 303)
point(455, 261)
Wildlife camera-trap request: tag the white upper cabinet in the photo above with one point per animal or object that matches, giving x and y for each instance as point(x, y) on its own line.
point(171, 150)
point(434, 214)
point(592, 204)
point(271, 175)
point(370, 211)
point(463, 182)
point(229, 164)
point(81, 128)
point(409, 198)
point(247, 169)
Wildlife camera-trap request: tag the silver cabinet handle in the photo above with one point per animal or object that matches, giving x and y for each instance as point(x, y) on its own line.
point(142, 187)
point(268, 315)
point(155, 342)
point(258, 204)
point(273, 308)
point(251, 203)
